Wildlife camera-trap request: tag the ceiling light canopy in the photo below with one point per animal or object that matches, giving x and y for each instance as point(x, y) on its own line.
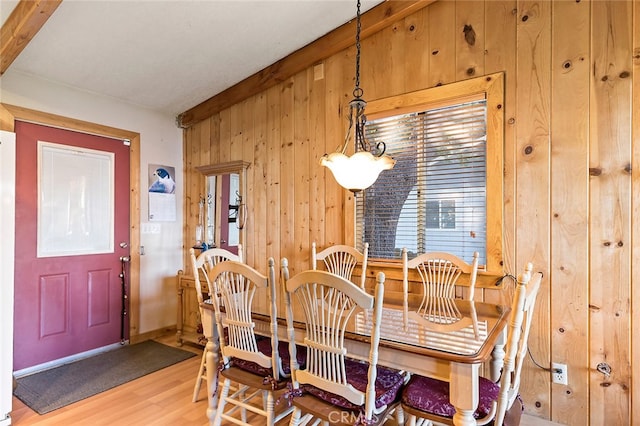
point(360, 170)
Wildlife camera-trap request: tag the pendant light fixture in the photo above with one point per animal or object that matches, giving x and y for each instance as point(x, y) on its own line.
point(361, 170)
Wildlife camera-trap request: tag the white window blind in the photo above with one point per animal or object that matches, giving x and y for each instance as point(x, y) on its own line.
point(434, 199)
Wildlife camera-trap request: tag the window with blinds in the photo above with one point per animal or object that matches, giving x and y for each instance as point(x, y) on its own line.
point(435, 198)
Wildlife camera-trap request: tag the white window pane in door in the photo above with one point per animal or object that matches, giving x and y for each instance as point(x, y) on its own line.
point(75, 200)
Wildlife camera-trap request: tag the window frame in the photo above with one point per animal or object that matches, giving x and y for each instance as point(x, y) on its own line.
point(491, 87)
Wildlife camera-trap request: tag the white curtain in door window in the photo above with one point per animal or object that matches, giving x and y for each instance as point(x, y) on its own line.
point(75, 200)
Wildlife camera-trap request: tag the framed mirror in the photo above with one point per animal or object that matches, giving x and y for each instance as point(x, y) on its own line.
point(223, 211)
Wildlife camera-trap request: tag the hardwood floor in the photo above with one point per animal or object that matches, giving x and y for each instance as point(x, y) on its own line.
point(158, 399)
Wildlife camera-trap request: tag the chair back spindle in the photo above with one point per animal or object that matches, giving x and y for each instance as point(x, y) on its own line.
point(495, 398)
point(237, 284)
point(328, 303)
point(253, 363)
point(341, 260)
point(439, 273)
point(524, 301)
point(205, 261)
point(200, 266)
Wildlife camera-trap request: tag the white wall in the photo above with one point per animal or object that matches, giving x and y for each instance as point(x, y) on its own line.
point(7, 225)
point(160, 143)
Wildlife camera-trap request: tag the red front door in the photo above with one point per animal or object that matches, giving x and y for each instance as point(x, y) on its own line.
point(72, 228)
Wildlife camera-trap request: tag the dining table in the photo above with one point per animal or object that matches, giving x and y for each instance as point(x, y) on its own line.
point(410, 345)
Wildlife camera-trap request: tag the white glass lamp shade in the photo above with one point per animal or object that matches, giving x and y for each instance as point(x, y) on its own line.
point(357, 172)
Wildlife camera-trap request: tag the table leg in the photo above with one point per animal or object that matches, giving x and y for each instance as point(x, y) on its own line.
point(463, 392)
point(211, 360)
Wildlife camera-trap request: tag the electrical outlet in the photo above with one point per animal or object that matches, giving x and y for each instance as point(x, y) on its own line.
point(559, 373)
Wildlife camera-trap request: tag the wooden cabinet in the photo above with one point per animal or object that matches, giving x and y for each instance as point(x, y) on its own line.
point(189, 324)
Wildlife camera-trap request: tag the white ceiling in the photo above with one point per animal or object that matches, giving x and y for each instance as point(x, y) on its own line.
point(171, 55)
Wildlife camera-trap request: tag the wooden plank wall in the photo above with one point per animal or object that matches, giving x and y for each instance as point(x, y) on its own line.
point(572, 135)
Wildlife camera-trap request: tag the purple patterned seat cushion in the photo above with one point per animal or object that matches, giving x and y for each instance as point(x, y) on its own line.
point(388, 385)
point(264, 346)
point(432, 396)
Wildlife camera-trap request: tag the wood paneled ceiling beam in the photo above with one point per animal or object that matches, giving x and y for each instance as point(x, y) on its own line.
point(21, 27)
point(339, 39)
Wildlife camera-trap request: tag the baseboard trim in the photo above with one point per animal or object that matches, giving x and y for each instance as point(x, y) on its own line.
point(153, 334)
point(149, 335)
point(66, 360)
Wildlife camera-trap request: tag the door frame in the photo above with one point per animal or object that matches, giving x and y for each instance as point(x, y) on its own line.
point(10, 113)
point(7, 255)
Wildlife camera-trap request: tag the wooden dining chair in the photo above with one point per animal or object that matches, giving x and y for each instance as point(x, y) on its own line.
point(428, 398)
point(200, 266)
point(251, 362)
point(335, 387)
point(439, 273)
point(341, 260)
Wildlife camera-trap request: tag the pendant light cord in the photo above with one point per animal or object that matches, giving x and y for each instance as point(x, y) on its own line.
point(357, 105)
point(357, 91)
